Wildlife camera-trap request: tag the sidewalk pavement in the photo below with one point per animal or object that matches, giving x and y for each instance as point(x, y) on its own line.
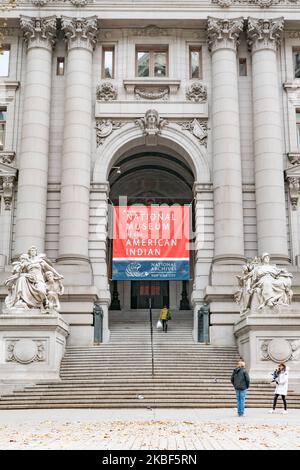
point(156, 429)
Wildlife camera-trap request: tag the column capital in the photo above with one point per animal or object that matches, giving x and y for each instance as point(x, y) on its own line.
point(39, 32)
point(80, 32)
point(223, 33)
point(264, 33)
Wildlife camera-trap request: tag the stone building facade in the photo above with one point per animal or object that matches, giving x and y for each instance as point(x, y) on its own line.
point(77, 76)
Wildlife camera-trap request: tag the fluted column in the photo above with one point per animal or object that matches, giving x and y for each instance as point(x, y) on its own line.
point(39, 35)
point(227, 175)
point(76, 162)
point(264, 36)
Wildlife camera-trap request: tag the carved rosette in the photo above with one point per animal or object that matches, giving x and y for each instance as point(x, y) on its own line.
point(106, 91)
point(223, 33)
point(80, 32)
point(196, 92)
point(264, 33)
point(25, 351)
point(39, 32)
point(294, 187)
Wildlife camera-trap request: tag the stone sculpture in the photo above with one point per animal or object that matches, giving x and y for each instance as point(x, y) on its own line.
point(34, 283)
point(270, 285)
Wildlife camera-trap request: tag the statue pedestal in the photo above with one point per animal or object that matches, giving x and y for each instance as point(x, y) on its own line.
point(32, 346)
point(267, 337)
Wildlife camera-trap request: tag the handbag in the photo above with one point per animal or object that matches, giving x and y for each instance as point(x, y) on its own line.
point(159, 325)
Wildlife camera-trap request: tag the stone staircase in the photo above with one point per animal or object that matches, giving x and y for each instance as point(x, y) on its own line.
point(119, 374)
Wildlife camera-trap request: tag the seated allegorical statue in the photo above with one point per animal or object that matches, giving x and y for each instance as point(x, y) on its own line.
point(268, 283)
point(27, 286)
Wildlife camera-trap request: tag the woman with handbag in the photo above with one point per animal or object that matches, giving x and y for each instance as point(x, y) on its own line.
point(164, 313)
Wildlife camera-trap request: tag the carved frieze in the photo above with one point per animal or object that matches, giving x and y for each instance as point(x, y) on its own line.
point(150, 31)
point(151, 93)
point(106, 91)
point(80, 32)
point(197, 128)
point(196, 92)
point(104, 128)
point(264, 33)
point(25, 351)
point(260, 3)
point(280, 349)
point(223, 32)
point(39, 31)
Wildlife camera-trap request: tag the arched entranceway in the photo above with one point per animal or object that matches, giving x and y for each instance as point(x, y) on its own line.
point(148, 178)
point(172, 169)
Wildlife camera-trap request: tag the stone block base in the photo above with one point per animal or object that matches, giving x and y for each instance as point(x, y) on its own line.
point(265, 339)
point(31, 347)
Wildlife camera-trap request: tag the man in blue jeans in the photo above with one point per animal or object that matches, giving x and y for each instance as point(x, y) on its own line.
point(240, 380)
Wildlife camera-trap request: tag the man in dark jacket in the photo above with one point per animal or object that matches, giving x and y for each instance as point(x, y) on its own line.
point(240, 380)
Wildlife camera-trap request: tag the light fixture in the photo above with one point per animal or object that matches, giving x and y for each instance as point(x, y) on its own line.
point(117, 168)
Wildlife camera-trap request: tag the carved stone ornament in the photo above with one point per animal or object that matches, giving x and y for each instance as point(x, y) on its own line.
point(104, 128)
point(8, 190)
point(280, 349)
point(79, 3)
point(7, 157)
point(25, 351)
point(152, 123)
point(294, 158)
point(150, 31)
point(151, 93)
point(260, 3)
point(197, 128)
point(196, 92)
point(39, 31)
point(263, 285)
point(40, 3)
point(264, 33)
point(106, 91)
point(223, 32)
point(33, 284)
point(80, 32)
point(294, 187)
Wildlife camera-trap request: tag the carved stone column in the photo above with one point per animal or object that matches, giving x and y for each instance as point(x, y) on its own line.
point(223, 37)
point(264, 36)
point(76, 163)
point(39, 35)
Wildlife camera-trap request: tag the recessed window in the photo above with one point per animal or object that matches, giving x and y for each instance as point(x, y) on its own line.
point(152, 61)
point(296, 57)
point(2, 127)
point(60, 66)
point(195, 62)
point(108, 62)
point(4, 60)
point(243, 67)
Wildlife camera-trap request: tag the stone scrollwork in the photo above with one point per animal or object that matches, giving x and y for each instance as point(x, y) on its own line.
point(104, 128)
point(80, 32)
point(106, 91)
point(152, 94)
point(196, 92)
point(33, 284)
point(39, 31)
point(152, 123)
point(197, 128)
point(260, 3)
point(220, 31)
point(25, 351)
point(263, 285)
point(294, 188)
point(264, 33)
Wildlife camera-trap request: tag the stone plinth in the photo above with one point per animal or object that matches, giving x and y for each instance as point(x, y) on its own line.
point(32, 346)
point(268, 337)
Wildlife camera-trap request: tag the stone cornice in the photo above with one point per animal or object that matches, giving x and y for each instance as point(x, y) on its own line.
point(80, 32)
point(223, 33)
point(39, 32)
point(264, 33)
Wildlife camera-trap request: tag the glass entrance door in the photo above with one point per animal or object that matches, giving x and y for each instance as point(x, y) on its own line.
point(141, 291)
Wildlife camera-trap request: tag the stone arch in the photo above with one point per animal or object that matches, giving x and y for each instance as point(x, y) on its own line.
point(172, 138)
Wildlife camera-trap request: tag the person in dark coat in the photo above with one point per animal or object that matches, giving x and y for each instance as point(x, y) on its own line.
point(240, 380)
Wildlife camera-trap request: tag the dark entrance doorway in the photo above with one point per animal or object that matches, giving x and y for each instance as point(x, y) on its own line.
point(141, 291)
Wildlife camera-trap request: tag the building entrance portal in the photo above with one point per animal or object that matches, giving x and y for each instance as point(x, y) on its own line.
point(142, 291)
